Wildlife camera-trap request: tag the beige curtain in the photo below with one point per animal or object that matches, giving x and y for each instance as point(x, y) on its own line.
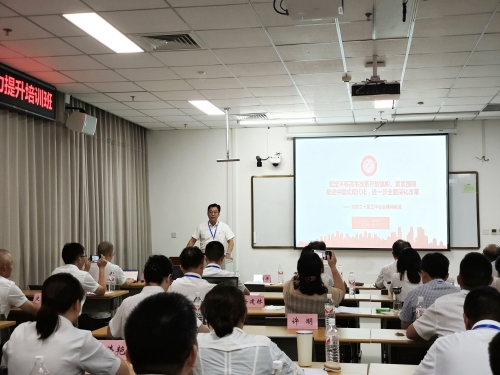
point(58, 186)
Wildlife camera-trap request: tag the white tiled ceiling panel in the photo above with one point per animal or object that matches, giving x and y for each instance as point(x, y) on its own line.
point(253, 60)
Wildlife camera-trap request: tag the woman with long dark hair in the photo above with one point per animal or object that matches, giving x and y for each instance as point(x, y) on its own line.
point(67, 350)
point(306, 293)
point(408, 276)
point(228, 349)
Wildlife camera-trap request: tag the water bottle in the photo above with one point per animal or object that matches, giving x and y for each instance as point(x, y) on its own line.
point(352, 284)
point(4, 370)
point(280, 274)
point(278, 368)
point(197, 306)
point(420, 308)
point(332, 345)
point(111, 282)
point(39, 368)
point(329, 308)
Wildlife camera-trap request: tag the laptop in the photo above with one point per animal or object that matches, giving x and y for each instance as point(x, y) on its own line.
point(131, 274)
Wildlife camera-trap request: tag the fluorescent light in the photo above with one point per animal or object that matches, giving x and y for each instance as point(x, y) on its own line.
point(285, 121)
point(437, 115)
point(103, 31)
point(383, 103)
point(206, 107)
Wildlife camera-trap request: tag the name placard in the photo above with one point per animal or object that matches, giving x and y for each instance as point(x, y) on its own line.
point(116, 346)
point(302, 321)
point(37, 298)
point(255, 301)
point(266, 278)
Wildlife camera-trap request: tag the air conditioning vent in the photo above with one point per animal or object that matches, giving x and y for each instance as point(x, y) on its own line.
point(491, 108)
point(253, 116)
point(167, 42)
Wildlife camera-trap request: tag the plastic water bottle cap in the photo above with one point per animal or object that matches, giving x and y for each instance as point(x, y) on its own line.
point(39, 357)
point(277, 365)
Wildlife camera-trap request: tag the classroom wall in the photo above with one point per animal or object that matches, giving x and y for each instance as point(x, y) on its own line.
point(185, 178)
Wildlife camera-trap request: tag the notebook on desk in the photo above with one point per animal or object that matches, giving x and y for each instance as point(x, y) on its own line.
point(131, 274)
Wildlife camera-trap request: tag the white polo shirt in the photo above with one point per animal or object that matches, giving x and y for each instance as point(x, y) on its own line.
point(385, 274)
point(68, 351)
point(10, 295)
point(190, 284)
point(89, 285)
point(444, 317)
point(119, 275)
point(461, 353)
point(214, 270)
point(206, 233)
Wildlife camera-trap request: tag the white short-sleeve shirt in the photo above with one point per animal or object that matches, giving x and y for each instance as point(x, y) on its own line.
point(119, 275)
point(385, 275)
point(214, 270)
point(68, 351)
point(10, 295)
point(443, 317)
point(190, 284)
point(88, 283)
point(206, 233)
point(461, 353)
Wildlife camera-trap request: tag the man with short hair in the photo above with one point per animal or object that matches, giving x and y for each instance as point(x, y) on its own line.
point(492, 253)
point(192, 266)
point(10, 294)
point(107, 250)
point(434, 270)
point(493, 350)
point(444, 316)
point(161, 335)
point(467, 352)
point(214, 255)
point(214, 230)
point(386, 272)
point(75, 259)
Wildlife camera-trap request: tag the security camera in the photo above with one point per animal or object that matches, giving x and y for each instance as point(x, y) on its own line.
point(276, 159)
point(259, 161)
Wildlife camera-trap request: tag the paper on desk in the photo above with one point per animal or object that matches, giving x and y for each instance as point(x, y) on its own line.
point(271, 307)
point(347, 310)
point(314, 371)
point(255, 294)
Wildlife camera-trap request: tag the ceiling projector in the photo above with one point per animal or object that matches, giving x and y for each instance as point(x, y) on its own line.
point(375, 90)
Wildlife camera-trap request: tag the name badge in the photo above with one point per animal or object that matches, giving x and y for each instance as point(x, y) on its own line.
point(118, 347)
point(255, 301)
point(302, 321)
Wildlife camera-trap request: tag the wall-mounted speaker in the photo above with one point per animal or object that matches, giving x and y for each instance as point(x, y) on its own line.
point(81, 123)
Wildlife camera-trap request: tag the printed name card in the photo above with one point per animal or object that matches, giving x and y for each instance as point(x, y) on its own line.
point(37, 298)
point(302, 321)
point(255, 301)
point(266, 278)
point(116, 346)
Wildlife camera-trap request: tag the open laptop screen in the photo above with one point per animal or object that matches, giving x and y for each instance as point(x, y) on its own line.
point(131, 274)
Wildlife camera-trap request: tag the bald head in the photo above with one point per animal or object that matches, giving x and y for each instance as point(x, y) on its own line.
point(105, 248)
point(5, 263)
point(491, 252)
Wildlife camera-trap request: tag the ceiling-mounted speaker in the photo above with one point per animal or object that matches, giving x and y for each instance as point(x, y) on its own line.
point(81, 123)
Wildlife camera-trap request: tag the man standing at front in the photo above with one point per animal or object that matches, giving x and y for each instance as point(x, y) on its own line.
point(213, 230)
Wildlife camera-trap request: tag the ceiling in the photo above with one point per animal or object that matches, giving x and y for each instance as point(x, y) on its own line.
point(254, 60)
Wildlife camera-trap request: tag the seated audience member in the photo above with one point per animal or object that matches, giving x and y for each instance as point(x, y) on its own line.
point(214, 255)
point(492, 253)
point(10, 294)
point(107, 250)
point(408, 275)
point(74, 258)
point(306, 293)
point(385, 275)
point(467, 352)
point(228, 349)
point(161, 335)
point(496, 280)
point(326, 273)
point(493, 350)
point(158, 277)
point(444, 316)
point(66, 349)
point(192, 266)
point(434, 269)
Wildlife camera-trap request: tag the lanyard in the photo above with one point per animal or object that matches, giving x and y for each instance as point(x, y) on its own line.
point(213, 266)
point(210, 229)
point(193, 276)
point(487, 326)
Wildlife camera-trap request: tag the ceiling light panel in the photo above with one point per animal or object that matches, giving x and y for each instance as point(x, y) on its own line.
point(103, 31)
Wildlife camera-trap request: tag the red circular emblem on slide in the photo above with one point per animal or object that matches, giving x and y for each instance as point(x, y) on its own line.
point(369, 165)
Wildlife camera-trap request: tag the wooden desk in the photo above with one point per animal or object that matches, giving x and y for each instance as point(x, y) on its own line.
point(380, 298)
point(365, 312)
point(383, 315)
point(278, 296)
point(367, 287)
point(101, 333)
point(117, 293)
point(134, 288)
point(347, 335)
point(399, 348)
point(388, 369)
point(347, 368)
point(6, 324)
point(388, 336)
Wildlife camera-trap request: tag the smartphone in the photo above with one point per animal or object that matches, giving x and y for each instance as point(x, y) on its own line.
point(320, 253)
point(328, 254)
point(95, 258)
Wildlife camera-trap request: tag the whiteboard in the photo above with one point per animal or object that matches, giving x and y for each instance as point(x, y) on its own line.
point(272, 212)
point(464, 210)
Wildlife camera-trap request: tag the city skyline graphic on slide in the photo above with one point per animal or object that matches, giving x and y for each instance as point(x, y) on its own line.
point(371, 241)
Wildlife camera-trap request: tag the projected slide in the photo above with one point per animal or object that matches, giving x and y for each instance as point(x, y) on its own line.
point(367, 192)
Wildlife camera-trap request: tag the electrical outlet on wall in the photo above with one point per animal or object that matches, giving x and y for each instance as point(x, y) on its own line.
point(173, 235)
point(493, 232)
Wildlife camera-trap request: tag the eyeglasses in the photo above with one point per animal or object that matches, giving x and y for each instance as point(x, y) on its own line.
point(213, 212)
point(83, 256)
